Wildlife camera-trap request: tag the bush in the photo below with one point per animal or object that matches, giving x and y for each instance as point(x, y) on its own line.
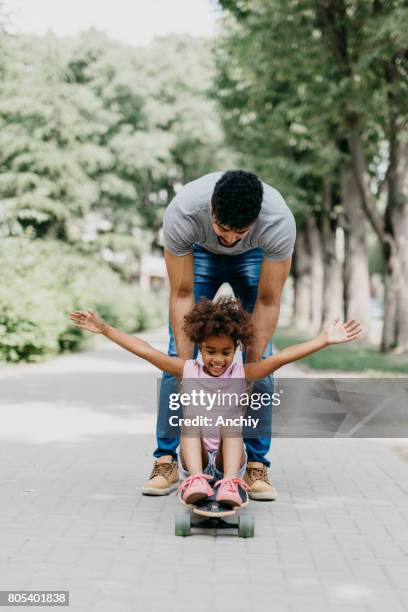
point(42, 281)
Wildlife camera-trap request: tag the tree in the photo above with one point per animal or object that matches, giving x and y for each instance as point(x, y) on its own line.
point(269, 99)
point(370, 52)
point(165, 129)
point(46, 124)
point(96, 136)
point(347, 59)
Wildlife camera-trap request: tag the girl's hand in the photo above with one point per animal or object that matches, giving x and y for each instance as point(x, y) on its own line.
point(89, 320)
point(337, 333)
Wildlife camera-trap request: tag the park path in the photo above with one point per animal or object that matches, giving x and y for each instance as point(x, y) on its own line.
point(76, 436)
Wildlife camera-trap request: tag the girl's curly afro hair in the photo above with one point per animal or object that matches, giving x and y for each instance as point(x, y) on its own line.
point(224, 317)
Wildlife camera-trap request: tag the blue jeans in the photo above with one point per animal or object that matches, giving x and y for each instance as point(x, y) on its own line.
point(210, 271)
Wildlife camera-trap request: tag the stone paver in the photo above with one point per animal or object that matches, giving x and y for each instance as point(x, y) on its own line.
point(76, 436)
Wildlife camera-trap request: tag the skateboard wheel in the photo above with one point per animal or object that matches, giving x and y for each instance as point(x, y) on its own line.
point(183, 525)
point(246, 526)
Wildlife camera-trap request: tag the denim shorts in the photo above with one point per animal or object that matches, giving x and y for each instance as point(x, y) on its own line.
point(212, 470)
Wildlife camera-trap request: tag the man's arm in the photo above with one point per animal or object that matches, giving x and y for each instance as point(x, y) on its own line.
point(181, 276)
point(265, 316)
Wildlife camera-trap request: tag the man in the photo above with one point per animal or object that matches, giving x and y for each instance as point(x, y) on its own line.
point(220, 228)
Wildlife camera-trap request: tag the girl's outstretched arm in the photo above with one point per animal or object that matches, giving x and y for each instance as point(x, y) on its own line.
point(336, 333)
point(92, 322)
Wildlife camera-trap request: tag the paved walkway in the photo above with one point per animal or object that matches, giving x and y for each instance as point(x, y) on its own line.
point(75, 441)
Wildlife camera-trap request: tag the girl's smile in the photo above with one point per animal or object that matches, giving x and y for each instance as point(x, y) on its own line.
point(217, 353)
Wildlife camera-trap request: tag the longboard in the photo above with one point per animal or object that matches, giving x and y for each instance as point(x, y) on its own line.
point(210, 514)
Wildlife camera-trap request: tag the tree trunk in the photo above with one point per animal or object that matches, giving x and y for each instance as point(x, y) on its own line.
point(392, 228)
point(395, 330)
point(302, 276)
point(390, 300)
point(332, 306)
point(308, 277)
point(402, 306)
point(356, 276)
point(317, 271)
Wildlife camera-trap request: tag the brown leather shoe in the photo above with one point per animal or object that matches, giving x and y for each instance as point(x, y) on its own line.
point(256, 477)
point(164, 477)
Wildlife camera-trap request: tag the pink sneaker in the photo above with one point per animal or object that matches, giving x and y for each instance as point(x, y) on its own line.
point(232, 492)
point(195, 488)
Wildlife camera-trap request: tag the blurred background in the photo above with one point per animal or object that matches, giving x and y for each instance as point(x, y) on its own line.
point(106, 111)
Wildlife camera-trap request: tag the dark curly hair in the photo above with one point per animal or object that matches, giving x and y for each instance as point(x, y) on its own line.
point(237, 199)
point(224, 317)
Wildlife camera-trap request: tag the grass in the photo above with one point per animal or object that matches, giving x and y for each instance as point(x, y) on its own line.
point(355, 357)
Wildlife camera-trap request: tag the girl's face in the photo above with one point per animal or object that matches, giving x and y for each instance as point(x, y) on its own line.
point(218, 353)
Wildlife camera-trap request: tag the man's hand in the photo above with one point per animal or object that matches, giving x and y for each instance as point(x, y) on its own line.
point(338, 333)
point(89, 320)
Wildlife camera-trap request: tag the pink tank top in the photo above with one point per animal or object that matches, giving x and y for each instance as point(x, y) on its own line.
point(195, 370)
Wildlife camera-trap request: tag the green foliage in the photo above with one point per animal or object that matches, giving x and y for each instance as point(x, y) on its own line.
point(265, 102)
point(287, 99)
point(42, 281)
point(44, 123)
point(162, 127)
point(94, 138)
point(91, 125)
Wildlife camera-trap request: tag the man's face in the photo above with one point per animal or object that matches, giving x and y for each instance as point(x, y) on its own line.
point(228, 237)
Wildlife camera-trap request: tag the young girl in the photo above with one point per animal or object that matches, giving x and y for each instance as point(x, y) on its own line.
point(218, 328)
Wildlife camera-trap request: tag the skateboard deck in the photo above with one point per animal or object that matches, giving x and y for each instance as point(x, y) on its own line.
point(211, 514)
point(210, 507)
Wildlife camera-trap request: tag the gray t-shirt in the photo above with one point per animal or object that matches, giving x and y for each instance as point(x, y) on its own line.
point(187, 220)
